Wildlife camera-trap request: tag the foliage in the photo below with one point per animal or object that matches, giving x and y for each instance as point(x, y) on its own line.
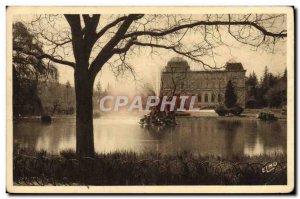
point(270, 91)
point(98, 92)
point(267, 116)
point(57, 98)
point(68, 154)
point(236, 110)
point(46, 119)
point(222, 110)
point(230, 96)
point(29, 67)
point(252, 90)
point(28, 70)
point(127, 168)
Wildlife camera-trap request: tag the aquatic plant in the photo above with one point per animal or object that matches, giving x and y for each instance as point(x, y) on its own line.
point(266, 116)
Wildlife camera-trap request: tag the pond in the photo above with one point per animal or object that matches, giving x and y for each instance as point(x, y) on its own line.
point(204, 135)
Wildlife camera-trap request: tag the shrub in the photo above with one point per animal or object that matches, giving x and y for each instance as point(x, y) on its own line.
point(267, 116)
point(46, 119)
point(251, 103)
point(236, 110)
point(221, 110)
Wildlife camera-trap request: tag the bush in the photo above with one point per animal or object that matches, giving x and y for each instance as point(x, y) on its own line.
point(221, 110)
point(267, 116)
point(46, 119)
point(236, 110)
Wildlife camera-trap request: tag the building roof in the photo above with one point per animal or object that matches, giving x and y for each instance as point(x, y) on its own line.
point(178, 62)
point(234, 66)
point(181, 64)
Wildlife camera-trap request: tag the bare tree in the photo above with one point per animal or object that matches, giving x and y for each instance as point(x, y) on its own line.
point(179, 82)
point(92, 41)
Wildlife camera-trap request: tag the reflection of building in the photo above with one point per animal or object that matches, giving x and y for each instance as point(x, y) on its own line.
point(208, 86)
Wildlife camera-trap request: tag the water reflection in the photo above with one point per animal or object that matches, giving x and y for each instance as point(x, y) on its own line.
point(271, 141)
point(199, 135)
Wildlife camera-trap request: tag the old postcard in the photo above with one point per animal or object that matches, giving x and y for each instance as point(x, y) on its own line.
point(150, 99)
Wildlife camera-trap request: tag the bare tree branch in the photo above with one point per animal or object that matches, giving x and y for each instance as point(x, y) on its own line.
point(110, 25)
point(46, 56)
point(206, 23)
point(106, 52)
point(167, 32)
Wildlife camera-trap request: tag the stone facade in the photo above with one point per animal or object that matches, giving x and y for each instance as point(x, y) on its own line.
point(208, 86)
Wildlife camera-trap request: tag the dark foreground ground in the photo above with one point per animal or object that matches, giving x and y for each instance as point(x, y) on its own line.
point(125, 168)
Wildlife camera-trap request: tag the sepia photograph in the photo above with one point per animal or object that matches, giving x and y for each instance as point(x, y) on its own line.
point(150, 99)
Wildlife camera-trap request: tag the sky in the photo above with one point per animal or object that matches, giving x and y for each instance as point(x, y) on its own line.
point(148, 65)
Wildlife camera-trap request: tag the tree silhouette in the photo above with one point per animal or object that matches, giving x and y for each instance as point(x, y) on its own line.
point(252, 86)
point(28, 71)
point(230, 96)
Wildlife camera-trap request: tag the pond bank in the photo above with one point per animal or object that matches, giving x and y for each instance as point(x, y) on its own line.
point(248, 114)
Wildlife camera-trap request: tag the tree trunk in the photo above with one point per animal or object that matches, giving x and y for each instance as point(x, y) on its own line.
point(84, 112)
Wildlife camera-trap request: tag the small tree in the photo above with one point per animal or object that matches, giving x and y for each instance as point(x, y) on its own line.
point(68, 87)
point(99, 89)
point(230, 96)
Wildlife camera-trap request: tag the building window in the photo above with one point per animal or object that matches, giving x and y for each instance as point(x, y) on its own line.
point(212, 97)
point(199, 97)
point(217, 84)
point(206, 98)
